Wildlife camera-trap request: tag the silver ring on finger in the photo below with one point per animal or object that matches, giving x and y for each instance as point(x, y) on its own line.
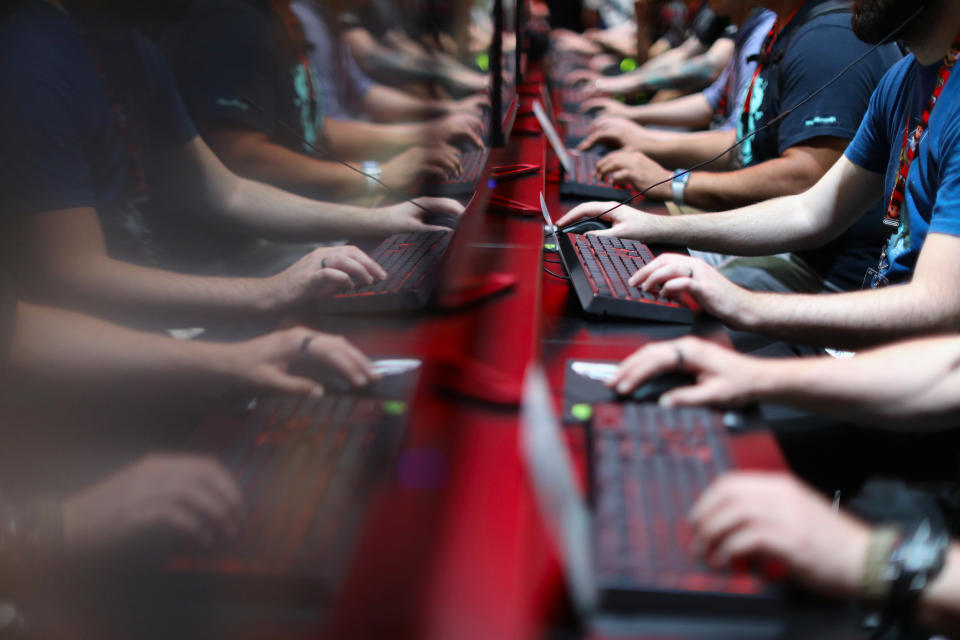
point(305, 346)
point(681, 359)
point(323, 263)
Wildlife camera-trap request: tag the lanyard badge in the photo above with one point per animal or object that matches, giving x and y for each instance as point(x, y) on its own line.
point(893, 220)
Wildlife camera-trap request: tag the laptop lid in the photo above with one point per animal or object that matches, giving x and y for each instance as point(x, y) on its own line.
point(551, 132)
point(563, 508)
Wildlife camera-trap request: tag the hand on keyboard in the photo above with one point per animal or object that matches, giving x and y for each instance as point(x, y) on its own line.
point(635, 169)
point(188, 497)
point(618, 132)
point(321, 274)
point(627, 222)
point(774, 522)
point(723, 377)
point(292, 361)
point(405, 170)
point(682, 277)
point(408, 218)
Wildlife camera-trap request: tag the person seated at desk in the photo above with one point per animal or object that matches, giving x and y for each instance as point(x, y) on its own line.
point(105, 186)
point(761, 517)
point(244, 70)
point(717, 107)
point(375, 32)
point(921, 222)
point(811, 45)
point(690, 66)
point(345, 88)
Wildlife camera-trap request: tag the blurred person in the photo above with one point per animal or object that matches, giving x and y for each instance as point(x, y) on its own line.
point(345, 87)
point(243, 67)
point(106, 178)
point(719, 106)
point(690, 66)
point(788, 157)
point(919, 229)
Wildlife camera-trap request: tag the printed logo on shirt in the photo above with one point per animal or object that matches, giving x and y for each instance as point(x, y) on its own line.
point(233, 103)
point(309, 122)
point(821, 120)
point(754, 119)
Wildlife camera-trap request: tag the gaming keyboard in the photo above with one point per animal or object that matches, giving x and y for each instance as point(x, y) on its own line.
point(600, 268)
point(411, 261)
point(306, 468)
point(472, 163)
point(585, 183)
point(649, 466)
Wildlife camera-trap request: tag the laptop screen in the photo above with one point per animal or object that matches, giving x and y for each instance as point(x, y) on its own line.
point(563, 508)
point(551, 132)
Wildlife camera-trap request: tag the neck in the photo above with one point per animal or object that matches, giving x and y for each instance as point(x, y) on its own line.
point(935, 31)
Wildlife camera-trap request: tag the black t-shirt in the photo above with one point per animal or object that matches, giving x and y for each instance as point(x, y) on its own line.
point(237, 65)
point(807, 54)
point(62, 143)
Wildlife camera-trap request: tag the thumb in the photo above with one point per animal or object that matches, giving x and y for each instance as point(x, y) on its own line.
point(287, 384)
point(332, 281)
point(696, 395)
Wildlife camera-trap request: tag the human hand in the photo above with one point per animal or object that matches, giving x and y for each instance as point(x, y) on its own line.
point(606, 107)
point(634, 169)
point(624, 84)
point(673, 276)
point(563, 40)
point(292, 361)
point(627, 222)
point(582, 76)
point(723, 376)
point(457, 127)
point(407, 217)
point(320, 274)
point(189, 497)
point(616, 132)
point(406, 169)
point(773, 520)
point(473, 104)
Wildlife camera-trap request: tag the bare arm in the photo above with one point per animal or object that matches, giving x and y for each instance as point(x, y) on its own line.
point(691, 111)
point(790, 223)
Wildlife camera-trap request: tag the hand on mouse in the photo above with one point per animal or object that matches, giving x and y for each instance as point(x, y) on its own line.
point(626, 221)
point(723, 377)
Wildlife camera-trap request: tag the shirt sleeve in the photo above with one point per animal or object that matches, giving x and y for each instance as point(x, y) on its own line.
point(43, 162)
point(870, 147)
point(223, 62)
point(946, 208)
point(714, 93)
point(818, 53)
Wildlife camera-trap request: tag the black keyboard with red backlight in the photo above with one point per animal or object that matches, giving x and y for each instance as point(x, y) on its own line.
point(411, 261)
point(649, 465)
point(585, 183)
point(472, 163)
point(600, 268)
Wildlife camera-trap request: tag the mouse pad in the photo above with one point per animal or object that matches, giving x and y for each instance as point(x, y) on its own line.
point(584, 386)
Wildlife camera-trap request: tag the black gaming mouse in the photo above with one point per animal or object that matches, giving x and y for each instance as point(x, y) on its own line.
point(586, 225)
point(651, 390)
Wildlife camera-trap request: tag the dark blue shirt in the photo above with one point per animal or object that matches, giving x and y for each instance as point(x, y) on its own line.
point(809, 52)
point(932, 196)
point(62, 145)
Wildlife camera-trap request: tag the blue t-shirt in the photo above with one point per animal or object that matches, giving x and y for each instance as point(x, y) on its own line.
point(62, 147)
point(811, 50)
point(343, 84)
point(730, 89)
point(932, 197)
point(237, 65)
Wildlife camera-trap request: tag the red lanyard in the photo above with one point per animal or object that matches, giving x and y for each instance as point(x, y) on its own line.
point(295, 31)
point(768, 43)
point(908, 152)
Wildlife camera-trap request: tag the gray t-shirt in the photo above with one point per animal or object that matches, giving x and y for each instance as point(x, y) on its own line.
point(727, 93)
point(343, 84)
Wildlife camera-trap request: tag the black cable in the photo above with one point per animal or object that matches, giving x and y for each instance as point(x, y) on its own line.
point(777, 119)
point(559, 276)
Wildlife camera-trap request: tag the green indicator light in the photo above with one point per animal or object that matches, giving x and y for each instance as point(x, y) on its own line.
point(483, 61)
point(550, 247)
point(628, 65)
point(581, 412)
point(395, 407)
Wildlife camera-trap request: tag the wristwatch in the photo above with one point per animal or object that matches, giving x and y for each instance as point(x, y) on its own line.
point(679, 185)
point(900, 566)
point(373, 172)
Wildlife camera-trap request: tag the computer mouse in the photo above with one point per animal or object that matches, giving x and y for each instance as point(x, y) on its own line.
point(586, 225)
point(447, 220)
point(651, 390)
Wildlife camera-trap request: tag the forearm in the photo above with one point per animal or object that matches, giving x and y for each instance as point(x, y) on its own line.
point(386, 104)
point(926, 399)
point(696, 73)
point(79, 352)
point(372, 141)
point(255, 157)
point(852, 320)
point(939, 606)
point(764, 181)
point(690, 111)
point(685, 150)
